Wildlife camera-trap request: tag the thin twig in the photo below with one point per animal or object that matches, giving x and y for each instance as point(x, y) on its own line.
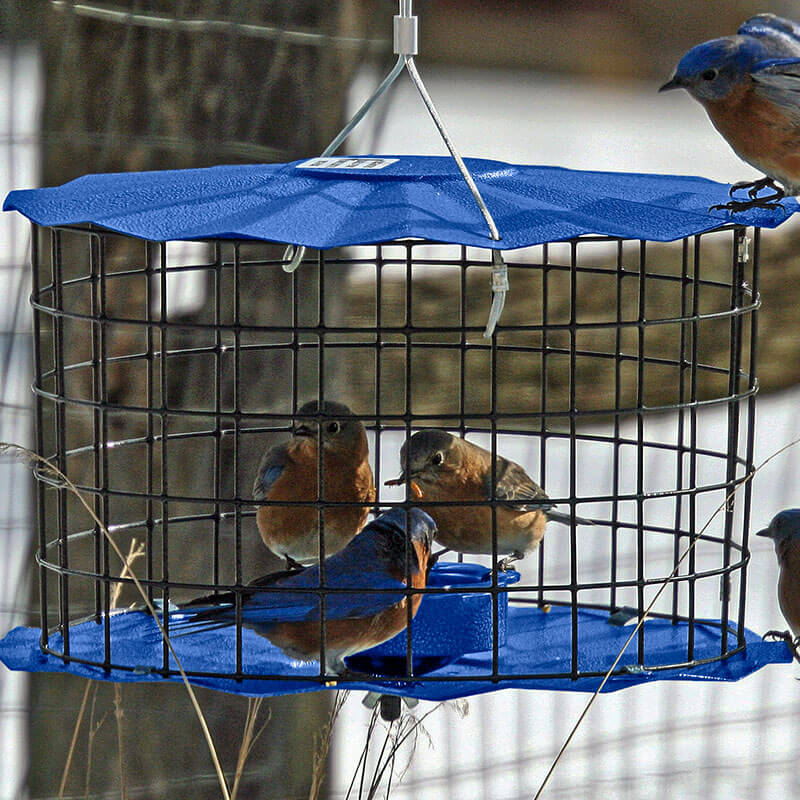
point(639, 624)
point(364, 750)
point(249, 738)
point(7, 447)
point(133, 554)
point(136, 550)
point(413, 726)
point(93, 731)
point(119, 714)
point(323, 746)
point(75, 731)
point(373, 786)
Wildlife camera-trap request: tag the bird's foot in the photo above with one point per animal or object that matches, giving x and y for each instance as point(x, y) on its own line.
point(784, 636)
point(505, 564)
point(737, 206)
point(754, 187)
point(338, 669)
point(291, 564)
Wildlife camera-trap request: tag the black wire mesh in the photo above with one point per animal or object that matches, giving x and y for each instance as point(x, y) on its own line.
point(616, 333)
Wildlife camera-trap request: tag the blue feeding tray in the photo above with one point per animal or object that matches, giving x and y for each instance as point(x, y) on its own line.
point(535, 650)
point(369, 199)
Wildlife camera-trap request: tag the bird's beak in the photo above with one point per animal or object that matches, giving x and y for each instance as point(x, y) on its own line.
point(764, 532)
point(303, 429)
point(399, 481)
point(674, 83)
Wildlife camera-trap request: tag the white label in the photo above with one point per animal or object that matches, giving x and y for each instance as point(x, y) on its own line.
point(347, 163)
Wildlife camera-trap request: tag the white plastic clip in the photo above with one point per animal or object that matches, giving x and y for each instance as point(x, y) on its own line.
point(744, 250)
point(499, 289)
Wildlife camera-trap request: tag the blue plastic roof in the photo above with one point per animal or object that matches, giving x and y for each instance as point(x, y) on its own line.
point(411, 196)
point(536, 642)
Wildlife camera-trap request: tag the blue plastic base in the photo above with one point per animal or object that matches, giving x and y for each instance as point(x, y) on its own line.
point(536, 643)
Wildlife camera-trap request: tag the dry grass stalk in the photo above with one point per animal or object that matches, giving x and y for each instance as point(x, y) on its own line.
point(249, 738)
point(71, 751)
point(406, 729)
point(33, 459)
point(135, 551)
point(93, 731)
point(119, 715)
point(322, 746)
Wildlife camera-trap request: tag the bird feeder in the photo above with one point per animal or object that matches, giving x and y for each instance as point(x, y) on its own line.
point(636, 325)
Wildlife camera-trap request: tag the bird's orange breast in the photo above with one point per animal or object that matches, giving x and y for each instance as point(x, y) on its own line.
point(468, 529)
point(293, 529)
point(759, 131)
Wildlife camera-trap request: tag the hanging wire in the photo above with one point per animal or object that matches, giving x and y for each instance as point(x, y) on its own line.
point(406, 46)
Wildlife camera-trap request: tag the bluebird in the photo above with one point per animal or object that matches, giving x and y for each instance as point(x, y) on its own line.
point(441, 467)
point(749, 85)
point(394, 546)
point(290, 471)
point(784, 530)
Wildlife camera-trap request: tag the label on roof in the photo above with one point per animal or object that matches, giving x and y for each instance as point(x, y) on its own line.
point(347, 163)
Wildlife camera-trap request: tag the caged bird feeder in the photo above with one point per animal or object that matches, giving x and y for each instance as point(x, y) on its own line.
point(624, 383)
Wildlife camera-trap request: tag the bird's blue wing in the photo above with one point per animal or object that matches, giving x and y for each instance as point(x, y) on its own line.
point(782, 33)
point(778, 81)
point(269, 470)
point(356, 568)
point(359, 566)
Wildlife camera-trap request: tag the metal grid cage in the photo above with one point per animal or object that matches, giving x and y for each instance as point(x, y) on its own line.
point(592, 381)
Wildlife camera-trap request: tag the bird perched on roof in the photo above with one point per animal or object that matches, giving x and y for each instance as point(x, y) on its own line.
point(749, 85)
point(290, 471)
point(393, 547)
point(784, 530)
point(445, 468)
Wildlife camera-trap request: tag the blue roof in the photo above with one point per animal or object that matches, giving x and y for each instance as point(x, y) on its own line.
point(346, 203)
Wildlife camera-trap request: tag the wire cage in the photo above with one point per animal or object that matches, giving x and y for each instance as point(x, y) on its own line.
point(592, 382)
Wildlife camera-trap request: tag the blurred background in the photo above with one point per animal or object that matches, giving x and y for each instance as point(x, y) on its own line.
point(141, 84)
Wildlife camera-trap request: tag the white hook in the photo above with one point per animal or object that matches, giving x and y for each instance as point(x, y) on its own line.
point(499, 289)
point(294, 255)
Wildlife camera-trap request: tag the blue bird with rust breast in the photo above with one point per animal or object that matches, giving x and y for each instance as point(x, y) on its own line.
point(290, 471)
point(749, 85)
point(442, 468)
point(784, 530)
point(389, 554)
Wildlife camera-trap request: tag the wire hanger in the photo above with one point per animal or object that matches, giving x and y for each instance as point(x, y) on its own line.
point(406, 46)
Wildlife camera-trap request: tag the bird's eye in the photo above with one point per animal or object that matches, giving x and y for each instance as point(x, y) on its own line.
point(437, 459)
point(709, 75)
point(332, 427)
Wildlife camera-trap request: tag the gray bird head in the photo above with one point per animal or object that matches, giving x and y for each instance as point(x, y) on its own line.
point(711, 70)
point(783, 526)
point(427, 455)
point(341, 431)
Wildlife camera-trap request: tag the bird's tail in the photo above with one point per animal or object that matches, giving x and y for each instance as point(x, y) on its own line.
point(566, 519)
point(203, 614)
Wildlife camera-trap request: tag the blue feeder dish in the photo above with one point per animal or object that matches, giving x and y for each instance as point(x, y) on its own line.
point(446, 626)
